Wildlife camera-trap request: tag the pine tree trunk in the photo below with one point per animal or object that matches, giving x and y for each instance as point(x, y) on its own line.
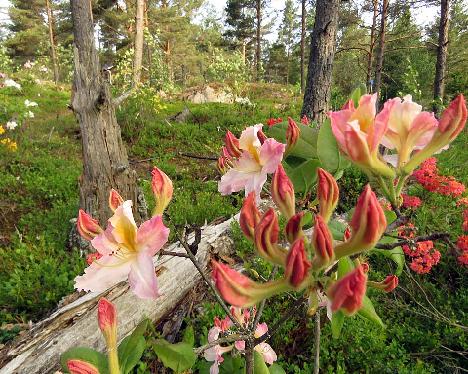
point(53, 55)
point(322, 53)
point(258, 49)
point(441, 64)
point(105, 161)
point(381, 50)
point(371, 46)
point(303, 31)
point(138, 50)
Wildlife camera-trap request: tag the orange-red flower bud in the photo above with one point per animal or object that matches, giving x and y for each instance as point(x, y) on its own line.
point(249, 216)
point(294, 227)
point(387, 285)
point(87, 226)
point(322, 242)
point(107, 321)
point(107, 315)
point(453, 118)
point(282, 192)
point(239, 290)
point(327, 193)
point(232, 145)
point(114, 200)
point(162, 190)
point(297, 265)
point(76, 366)
point(368, 225)
point(266, 238)
point(292, 134)
point(348, 292)
point(305, 120)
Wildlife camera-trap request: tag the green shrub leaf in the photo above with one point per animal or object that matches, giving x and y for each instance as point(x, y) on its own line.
point(178, 357)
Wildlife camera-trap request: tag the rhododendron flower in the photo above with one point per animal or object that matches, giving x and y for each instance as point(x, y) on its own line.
point(322, 242)
point(408, 127)
point(215, 353)
point(451, 123)
point(410, 201)
point(249, 216)
point(359, 132)
point(347, 293)
point(462, 243)
point(327, 193)
point(250, 170)
point(162, 190)
point(293, 228)
point(387, 285)
point(266, 238)
point(239, 290)
point(127, 252)
point(282, 192)
point(297, 265)
point(463, 259)
point(465, 220)
point(368, 224)
point(76, 366)
point(273, 121)
point(268, 354)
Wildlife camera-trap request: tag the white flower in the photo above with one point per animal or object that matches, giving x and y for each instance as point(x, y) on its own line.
point(11, 83)
point(30, 114)
point(28, 64)
point(43, 69)
point(29, 103)
point(11, 125)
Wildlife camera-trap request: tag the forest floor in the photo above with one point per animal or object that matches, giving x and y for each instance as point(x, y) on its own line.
point(39, 197)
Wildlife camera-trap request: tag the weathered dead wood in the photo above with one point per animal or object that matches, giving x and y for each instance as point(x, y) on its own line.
point(39, 349)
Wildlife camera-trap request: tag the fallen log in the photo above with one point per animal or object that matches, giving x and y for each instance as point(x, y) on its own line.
point(38, 350)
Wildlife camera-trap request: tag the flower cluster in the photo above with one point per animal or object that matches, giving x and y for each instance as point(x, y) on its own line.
point(125, 251)
point(462, 244)
point(273, 121)
point(423, 254)
point(225, 327)
point(410, 201)
point(307, 256)
point(428, 177)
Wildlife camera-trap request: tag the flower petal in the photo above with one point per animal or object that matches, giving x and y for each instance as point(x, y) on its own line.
point(151, 236)
point(103, 274)
point(105, 242)
point(269, 355)
point(124, 224)
point(142, 277)
point(271, 154)
point(249, 138)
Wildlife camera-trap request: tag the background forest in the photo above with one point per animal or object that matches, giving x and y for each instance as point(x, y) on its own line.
point(205, 67)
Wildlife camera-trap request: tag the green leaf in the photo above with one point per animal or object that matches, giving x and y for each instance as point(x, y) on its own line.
point(276, 369)
point(345, 265)
point(178, 357)
point(396, 255)
point(232, 365)
point(368, 312)
point(337, 323)
point(131, 348)
point(390, 216)
point(85, 354)
point(306, 146)
point(189, 336)
point(327, 148)
point(357, 93)
point(337, 229)
point(304, 175)
point(259, 364)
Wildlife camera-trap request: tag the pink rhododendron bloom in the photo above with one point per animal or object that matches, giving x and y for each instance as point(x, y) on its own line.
point(257, 159)
point(215, 353)
point(76, 366)
point(127, 252)
point(409, 128)
point(359, 132)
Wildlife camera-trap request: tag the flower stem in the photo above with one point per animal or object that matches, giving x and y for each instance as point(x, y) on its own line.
point(317, 343)
point(113, 360)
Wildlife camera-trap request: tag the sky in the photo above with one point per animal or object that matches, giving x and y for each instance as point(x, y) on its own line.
point(423, 15)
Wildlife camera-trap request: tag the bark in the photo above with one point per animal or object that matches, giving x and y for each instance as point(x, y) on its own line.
point(381, 50)
point(258, 47)
point(303, 36)
point(322, 53)
point(53, 55)
point(371, 46)
point(105, 161)
point(75, 324)
point(441, 64)
point(138, 48)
